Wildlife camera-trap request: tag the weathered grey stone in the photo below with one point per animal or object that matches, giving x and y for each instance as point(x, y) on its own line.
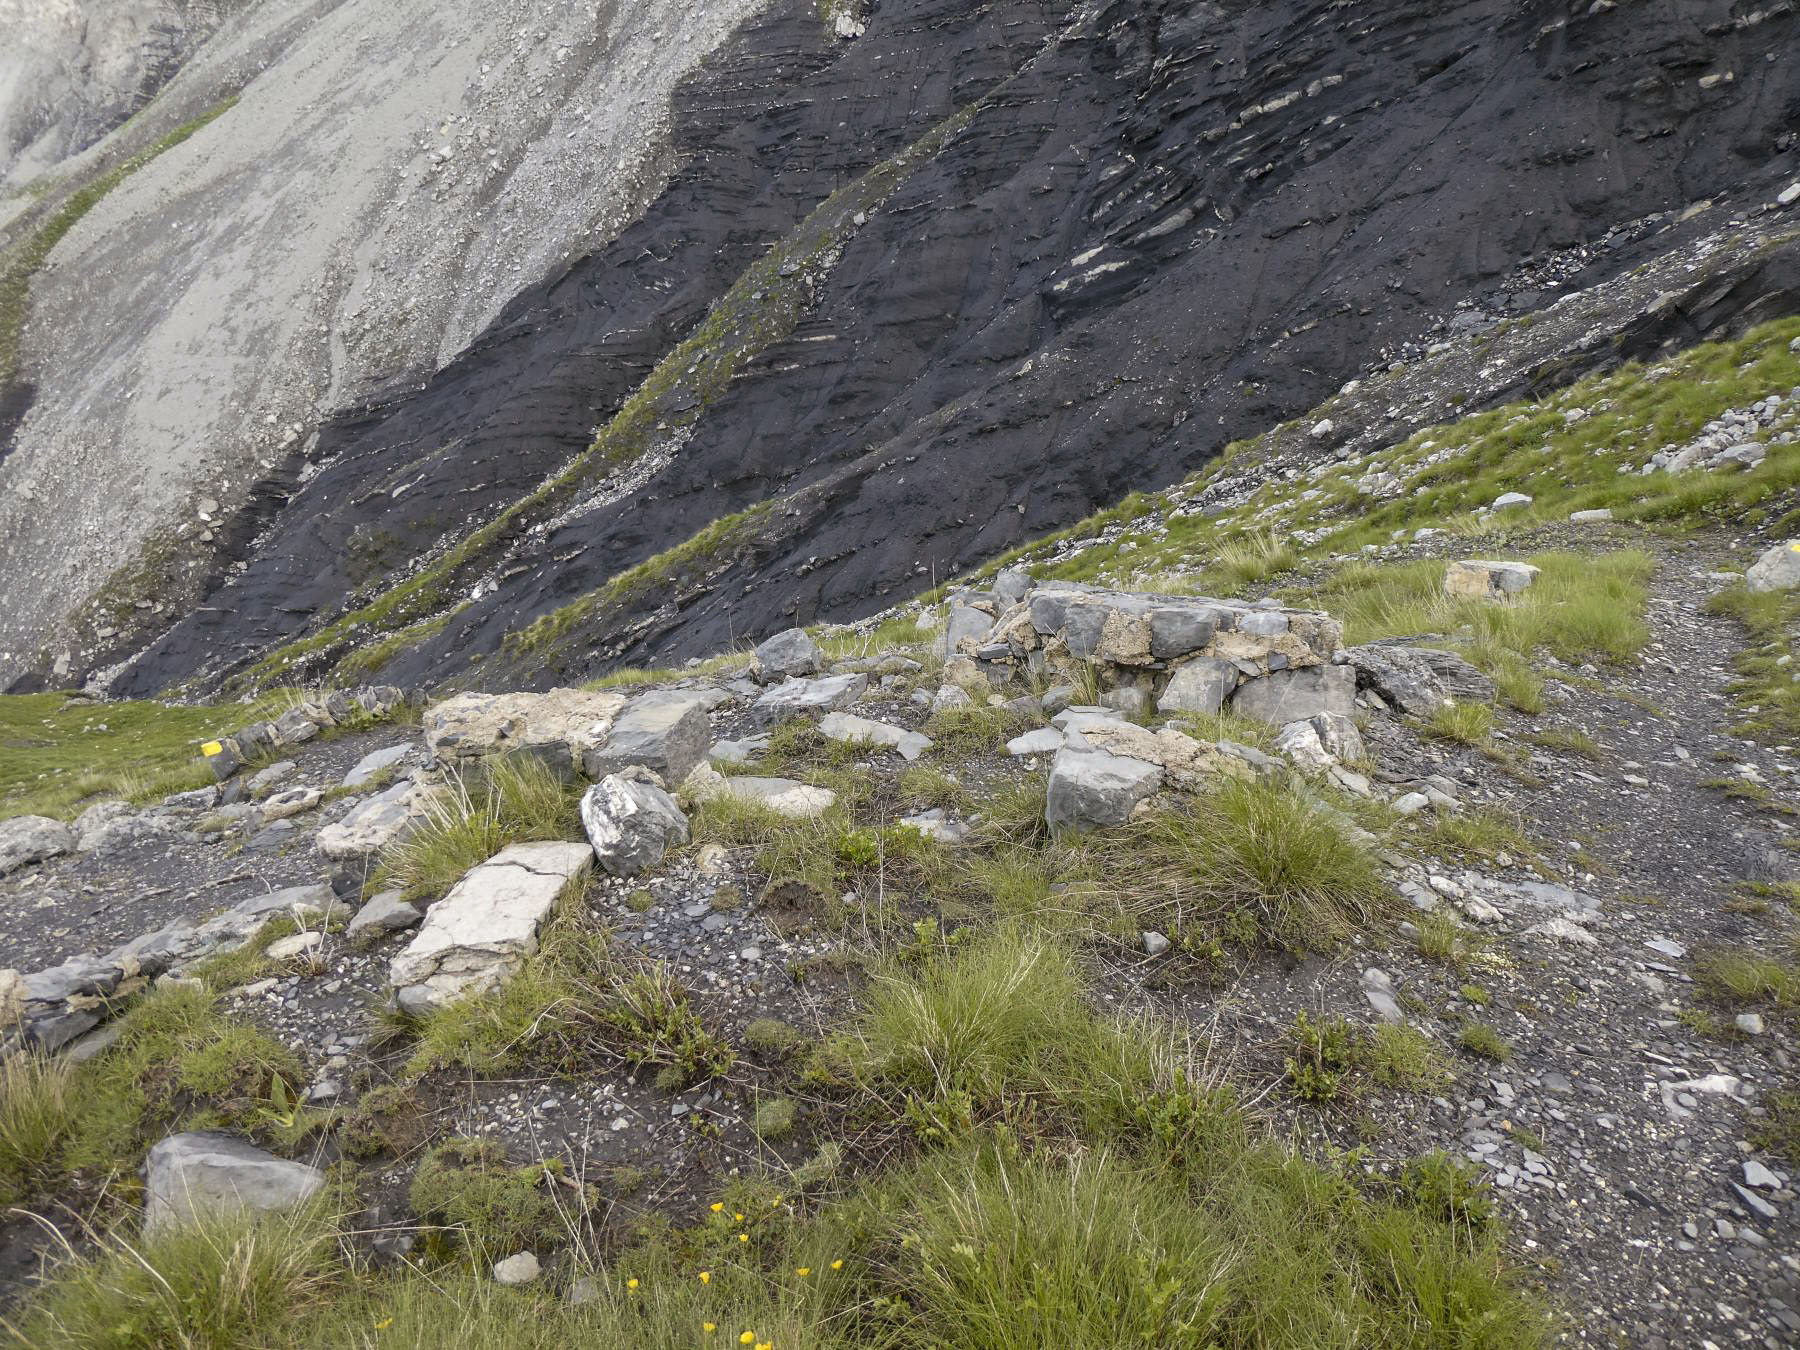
point(666, 732)
point(789, 653)
point(200, 799)
point(295, 727)
point(951, 696)
point(1042, 741)
point(194, 1176)
point(374, 762)
point(30, 839)
point(837, 726)
point(782, 795)
point(291, 803)
point(1298, 743)
point(1777, 570)
point(1593, 517)
point(521, 1268)
point(738, 752)
point(965, 623)
point(560, 726)
point(376, 823)
point(1417, 680)
point(1127, 700)
point(1487, 579)
point(1091, 788)
point(1200, 686)
point(795, 698)
point(266, 780)
point(1339, 735)
point(1180, 630)
point(1507, 500)
point(476, 935)
point(631, 824)
point(294, 944)
point(1285, 696)
point(1011, 585)
point(385, 912)
point(108, 826)
point(937, 824)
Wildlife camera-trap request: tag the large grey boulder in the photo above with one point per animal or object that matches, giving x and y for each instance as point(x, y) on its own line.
point(559, 726)
point(107, 827)
point(1417, 680)
point(795, 698)
point(787, 654)
point(30, 839)
point(1200, 686)
point(198, 1175)
point(1091, 788)
point(1777, 570)
point(666, 732)
point(1284, 696)
point(965, 622)
point(631, 824)
point(373, 825)
point(476, 935)
point(1487, 579)
point(855, 730)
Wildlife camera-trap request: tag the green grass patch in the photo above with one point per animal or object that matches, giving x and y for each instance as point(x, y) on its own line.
point(479, 812)
point(55, 756)
point(1766, 689)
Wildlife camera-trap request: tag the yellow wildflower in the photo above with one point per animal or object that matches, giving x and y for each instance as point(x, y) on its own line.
point(838, 1264)
point(709, 1327)
point(743, 1237)
point(718, 1205)
point(765, 1345)
point(738, 1217)
point(803, 1271)
point(384, 1324)
point(747, 1338)
point(706, 1277)
point(631, 1283)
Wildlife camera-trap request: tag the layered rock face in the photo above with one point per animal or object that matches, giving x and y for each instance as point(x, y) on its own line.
point(392, 174)
point(1137, 231)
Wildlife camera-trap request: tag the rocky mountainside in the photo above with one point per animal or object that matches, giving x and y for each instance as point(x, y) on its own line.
point(1129, 235)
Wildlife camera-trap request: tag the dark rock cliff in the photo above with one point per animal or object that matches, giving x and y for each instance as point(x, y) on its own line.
point(1163, 226)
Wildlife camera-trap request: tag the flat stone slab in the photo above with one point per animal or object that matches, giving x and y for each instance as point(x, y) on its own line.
point(476, 935)
point(376, 823)
point(838, 726)
point(783, 795)
point(374, 762)
point(194, 1176)
point(796, 698)
point(1043, 741)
